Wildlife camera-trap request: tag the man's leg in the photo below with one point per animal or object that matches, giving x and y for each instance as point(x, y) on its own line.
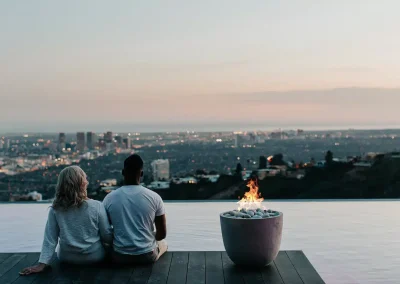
point(162, 248)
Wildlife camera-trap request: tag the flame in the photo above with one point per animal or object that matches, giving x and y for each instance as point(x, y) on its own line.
point(252, 199)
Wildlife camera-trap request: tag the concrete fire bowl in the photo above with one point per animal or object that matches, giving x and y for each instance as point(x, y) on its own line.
point(252, 242)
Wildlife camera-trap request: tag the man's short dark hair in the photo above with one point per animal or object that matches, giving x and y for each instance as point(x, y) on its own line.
point(133, 163)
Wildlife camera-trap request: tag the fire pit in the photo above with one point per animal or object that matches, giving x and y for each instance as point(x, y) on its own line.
point(252, 234)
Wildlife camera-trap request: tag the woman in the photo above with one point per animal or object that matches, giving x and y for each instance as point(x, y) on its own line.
point(78, 224)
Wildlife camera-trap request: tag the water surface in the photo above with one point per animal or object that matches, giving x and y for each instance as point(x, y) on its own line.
point(347, 242)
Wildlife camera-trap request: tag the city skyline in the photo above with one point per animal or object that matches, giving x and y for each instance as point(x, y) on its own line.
point(207, 66)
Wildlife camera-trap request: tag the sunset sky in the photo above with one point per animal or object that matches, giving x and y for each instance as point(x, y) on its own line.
point(162, 65)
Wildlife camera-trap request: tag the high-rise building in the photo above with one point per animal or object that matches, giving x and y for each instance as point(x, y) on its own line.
point(61, 141)
point(160, 169)
point(109, 146)
point(108, 137)
point(128, 143)
point(90, 140)
point(80, 141)
point(118, 140)
point(102, 144)
point(7, 144)
point(237, 140)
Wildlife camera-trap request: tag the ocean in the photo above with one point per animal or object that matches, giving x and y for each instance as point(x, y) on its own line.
point(346, 241)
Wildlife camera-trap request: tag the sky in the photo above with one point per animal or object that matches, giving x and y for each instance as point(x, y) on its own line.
point(223, 65)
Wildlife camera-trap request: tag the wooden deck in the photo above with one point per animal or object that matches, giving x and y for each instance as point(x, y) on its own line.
point(290, 267)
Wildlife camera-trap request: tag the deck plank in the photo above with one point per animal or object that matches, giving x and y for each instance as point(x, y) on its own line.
point(271, 274)
point(68, 273)
point(13, 274)
point(119, 274)
point(4, 256)
point(286, 269)
point(232, 273)
point(105, 275)
point(196, 268)
point(28, 279)
point(252, 276)
point(178, 269)
point(161, 268)
point(45, 277)
point(303, 266)
point(172, 268)
point(10, 263)
point(214, 268)
point(90, 273)
point(141, 274)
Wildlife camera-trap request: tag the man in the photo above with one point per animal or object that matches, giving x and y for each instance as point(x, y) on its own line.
point(133, 210)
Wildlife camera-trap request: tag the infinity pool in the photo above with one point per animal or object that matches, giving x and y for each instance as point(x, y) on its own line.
point(346, 241)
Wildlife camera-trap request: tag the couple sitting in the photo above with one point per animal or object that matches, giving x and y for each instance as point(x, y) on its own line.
point(84, 229)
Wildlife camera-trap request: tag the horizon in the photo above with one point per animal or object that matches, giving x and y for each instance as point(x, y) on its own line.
point(314, 102)
point(211, 130)
point(212, 65)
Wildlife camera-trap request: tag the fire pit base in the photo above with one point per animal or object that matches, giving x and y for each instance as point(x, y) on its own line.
point(252, 242)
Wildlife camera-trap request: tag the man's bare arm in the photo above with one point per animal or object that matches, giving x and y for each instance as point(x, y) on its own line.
point(161, 227)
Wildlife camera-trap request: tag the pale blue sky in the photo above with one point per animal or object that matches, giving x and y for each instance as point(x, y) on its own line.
point(95, 64)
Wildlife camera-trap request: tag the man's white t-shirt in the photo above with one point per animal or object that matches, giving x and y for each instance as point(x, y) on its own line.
point(132, 210)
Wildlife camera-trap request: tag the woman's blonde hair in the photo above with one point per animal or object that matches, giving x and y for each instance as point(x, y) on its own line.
point(71, 188)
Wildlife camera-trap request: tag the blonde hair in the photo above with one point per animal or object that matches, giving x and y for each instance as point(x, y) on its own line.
point(71, 188)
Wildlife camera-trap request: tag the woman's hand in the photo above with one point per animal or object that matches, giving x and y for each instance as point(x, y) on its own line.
point(33, 269)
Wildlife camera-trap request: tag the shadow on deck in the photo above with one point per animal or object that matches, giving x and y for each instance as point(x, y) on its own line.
point(290, 267)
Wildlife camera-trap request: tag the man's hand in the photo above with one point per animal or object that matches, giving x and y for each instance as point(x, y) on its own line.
point(161, 227)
